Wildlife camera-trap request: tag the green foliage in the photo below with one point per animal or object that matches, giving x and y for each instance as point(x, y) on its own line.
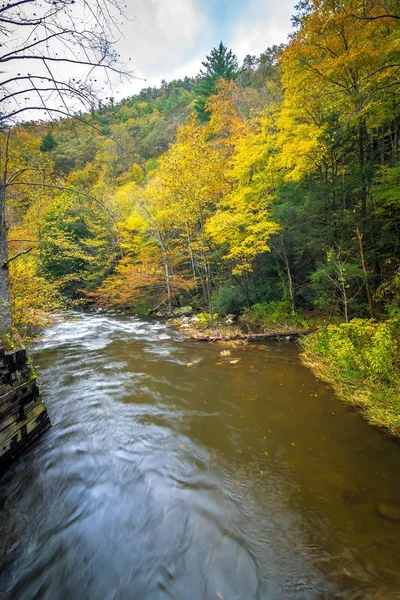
point(360, 349)
point(221, 63)
point(48, 142)
point(337, 282)
point(205, 319)
point(228, 300)
point(361, 359)
point(269, 314)
point(141, 307)
point(78, 248)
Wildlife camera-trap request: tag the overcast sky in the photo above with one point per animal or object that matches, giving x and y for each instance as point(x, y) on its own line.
point(168, 39)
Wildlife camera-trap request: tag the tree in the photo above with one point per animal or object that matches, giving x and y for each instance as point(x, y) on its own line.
point(241, 225)
point(221, 63)
point(39, 39)
point(340, 113)
point(191, 181)
point(48, 142)
point(337, 282)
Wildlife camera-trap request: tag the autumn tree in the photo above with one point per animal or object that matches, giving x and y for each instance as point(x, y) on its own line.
point(40, 43)
point(192, 180)
point(241, 225)
point(341, 78)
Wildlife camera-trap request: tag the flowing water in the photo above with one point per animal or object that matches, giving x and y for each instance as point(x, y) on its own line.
point(214, 481)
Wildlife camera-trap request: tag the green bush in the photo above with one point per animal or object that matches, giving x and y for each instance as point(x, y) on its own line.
point(141, 307)
point(204, 319)
point(361, 360)
point(268, 314)
point(228, 300)
point(360, 350)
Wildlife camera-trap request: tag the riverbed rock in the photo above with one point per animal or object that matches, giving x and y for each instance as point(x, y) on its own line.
point(389, 511)
point(163, 314)
point(230, 319)
point(225, 353)
point(183, 311)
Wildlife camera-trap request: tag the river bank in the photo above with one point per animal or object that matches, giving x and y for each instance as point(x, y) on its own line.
point(202, 328)
point(360, 359)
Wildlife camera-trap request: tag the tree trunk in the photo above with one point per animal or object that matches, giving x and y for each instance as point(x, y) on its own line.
point(166, 269)
point(290, 279)
point(5, 306)
point(364, 267)
point(290, 286)
point(345, 302)
point(167, 279)
point(362, 140)
point(192, 261)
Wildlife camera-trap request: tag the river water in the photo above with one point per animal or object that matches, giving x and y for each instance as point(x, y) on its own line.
point(161, 481)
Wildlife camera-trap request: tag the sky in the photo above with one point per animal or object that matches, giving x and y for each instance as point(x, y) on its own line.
point(158, 39)
point(168, 39)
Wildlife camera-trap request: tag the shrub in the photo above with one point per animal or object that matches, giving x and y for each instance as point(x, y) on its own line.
point(228, 300)
point(268, 314)
point(361, 360)
point(204, 319)
point(359, 349)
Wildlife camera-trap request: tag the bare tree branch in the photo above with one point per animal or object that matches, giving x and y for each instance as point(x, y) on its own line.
point(37, 33)
point(7, 262)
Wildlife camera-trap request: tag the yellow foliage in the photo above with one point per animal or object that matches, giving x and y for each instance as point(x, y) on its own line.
point(33, 298)
point(241, 225)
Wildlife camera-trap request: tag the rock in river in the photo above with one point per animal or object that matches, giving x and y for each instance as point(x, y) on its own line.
point(389, 511)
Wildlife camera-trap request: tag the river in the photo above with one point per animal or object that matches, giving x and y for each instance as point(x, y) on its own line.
point(237, 477)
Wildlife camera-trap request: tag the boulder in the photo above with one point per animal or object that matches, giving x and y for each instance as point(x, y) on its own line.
point(230, 319)
point(183, 311)
point(389, 511)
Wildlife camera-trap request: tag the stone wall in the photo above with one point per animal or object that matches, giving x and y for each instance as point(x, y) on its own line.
point(23, 415)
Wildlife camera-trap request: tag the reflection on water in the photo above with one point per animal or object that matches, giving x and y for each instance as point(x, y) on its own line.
point(159, 481)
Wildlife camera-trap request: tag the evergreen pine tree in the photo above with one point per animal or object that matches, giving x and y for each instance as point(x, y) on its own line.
point(48, 142)
point(220, 64)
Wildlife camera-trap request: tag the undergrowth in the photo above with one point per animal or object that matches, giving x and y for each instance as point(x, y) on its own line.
point(361, 360)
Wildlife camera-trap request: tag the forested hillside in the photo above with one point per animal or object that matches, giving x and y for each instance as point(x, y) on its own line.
point(270, 187)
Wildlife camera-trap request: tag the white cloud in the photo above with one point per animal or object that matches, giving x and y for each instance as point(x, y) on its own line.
point(168, 39)
point(162, 39)
point(263, 25)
